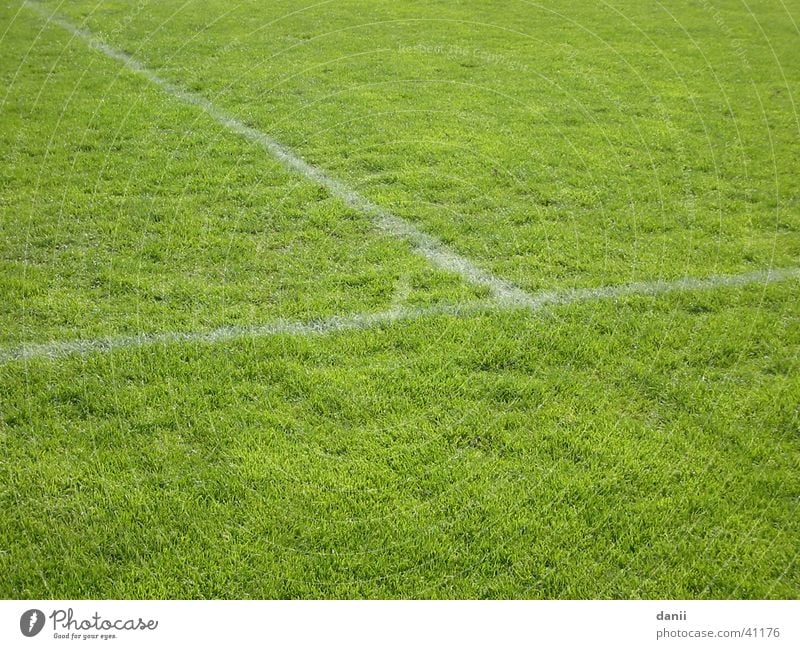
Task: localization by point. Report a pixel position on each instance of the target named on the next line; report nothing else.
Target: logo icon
(31, 622)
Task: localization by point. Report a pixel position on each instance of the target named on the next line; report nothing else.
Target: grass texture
(630, 447)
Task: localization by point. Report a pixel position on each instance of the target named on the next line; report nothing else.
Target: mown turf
(555, 143)
(636, 447)
(125, 211)
(639, 449)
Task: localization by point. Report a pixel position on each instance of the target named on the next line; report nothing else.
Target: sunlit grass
(620, 448)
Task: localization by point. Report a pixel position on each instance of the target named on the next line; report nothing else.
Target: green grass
(490, 457)
(638, 447)
(125, 211)
(598, 145)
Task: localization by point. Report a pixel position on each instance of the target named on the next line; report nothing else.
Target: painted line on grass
(361, 321)
(566, 296)
(422, 243)
(334, 324)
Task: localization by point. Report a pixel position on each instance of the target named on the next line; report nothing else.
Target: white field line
(368, 320)
(567, 296)
(423, 244)
(330, 325)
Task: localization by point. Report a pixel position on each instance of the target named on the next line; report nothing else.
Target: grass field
(223, 375)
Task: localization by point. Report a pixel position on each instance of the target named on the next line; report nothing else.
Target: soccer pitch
(392, 299)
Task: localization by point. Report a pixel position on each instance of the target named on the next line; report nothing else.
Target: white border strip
(358, 321)
(423, 244)
(404, 623)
